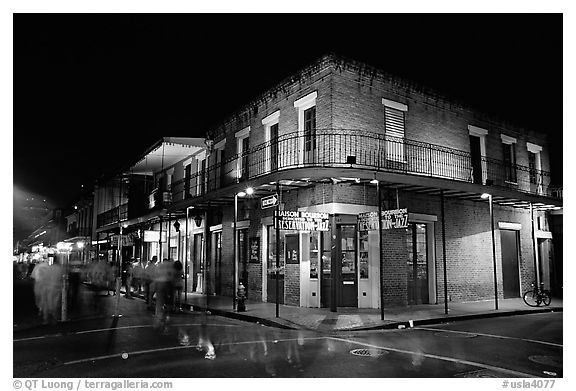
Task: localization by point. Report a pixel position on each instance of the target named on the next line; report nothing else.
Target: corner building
(342, 139)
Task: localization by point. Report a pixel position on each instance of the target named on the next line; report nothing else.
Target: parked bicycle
(537, 296)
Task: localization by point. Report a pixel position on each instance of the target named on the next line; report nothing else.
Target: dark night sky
(93, 91)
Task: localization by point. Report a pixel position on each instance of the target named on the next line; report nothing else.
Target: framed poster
(254, 250)
(292, 249)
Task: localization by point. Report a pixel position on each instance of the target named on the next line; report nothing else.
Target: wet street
(195, 344)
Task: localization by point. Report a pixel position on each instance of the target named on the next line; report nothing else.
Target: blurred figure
(137, 275)
(178, 285)
(39, 275)
(127, 278)
(53, 293)
(149, 276)
(163, 284)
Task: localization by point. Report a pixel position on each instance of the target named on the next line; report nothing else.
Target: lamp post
(489, 197)
(249, 191)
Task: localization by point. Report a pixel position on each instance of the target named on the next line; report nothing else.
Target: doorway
(417, 264)
(217, 259)
(275, 281)
(510, 270)
(345, 277)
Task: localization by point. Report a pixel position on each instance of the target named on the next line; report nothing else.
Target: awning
(166, 152)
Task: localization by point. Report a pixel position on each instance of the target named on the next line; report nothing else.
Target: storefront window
(314, 255)
(272, 250)
(326, 253)
(364, 254)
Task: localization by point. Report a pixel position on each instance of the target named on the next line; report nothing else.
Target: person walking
(178, 285)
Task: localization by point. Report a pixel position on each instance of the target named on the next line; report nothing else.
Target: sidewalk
(322, 319)
(319, 319)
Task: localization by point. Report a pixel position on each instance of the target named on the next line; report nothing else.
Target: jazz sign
(301, 221)
(395, 218)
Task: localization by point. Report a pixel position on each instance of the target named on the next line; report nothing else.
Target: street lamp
(243, 193)
(489, 197)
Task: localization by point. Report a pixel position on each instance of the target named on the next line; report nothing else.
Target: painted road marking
(490, 336)
(117, 328)
(170, 348)
(437, 357)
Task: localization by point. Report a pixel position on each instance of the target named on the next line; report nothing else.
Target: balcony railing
(372, 151)
(114, 215)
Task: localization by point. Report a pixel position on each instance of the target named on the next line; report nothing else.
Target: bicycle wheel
(546, 298)
(532, 299)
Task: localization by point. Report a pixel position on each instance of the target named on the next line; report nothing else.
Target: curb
(457, 318)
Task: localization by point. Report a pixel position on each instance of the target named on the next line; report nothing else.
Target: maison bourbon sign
(301, 221)
(395, 218)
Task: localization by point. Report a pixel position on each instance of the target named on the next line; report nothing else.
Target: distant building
(320, 144)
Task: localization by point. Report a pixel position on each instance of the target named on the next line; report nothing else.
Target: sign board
(270, 201)
(301, 221)
(127, 240)
(368, 221)
(254, 250)
(154, 236)
(395, 218)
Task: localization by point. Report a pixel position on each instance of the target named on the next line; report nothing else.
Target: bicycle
(537, 296)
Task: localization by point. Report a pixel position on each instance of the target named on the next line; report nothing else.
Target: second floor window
(310, 129)
(187, 177)
(532, 167)
(394, 123)
(274, 146)
(242, 156)
(509, 158)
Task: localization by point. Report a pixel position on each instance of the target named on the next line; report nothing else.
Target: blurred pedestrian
(149, 275)
(178, 285)
(53, 293)
(39, 275)
(127, 278)
(163, 284)
(137, 275)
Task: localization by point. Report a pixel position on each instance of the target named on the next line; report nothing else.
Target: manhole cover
(482, 373)
(454, 335)
(368, 352)
(554, 361)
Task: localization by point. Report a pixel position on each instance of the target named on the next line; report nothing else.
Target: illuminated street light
(242, 193)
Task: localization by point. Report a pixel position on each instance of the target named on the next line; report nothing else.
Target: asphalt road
(199, 345)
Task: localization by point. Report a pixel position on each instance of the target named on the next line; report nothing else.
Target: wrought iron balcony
(114, 215)
(342, 148)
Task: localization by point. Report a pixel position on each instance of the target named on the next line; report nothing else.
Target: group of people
(163, 282)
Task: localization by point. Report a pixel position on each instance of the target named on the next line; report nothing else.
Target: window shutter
(394, 122)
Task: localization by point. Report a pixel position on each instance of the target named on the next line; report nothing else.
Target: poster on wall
(292, 249)
(395, 218)
(254, 250)
(301, 221)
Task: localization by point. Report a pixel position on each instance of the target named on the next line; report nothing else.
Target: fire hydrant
(241, 298)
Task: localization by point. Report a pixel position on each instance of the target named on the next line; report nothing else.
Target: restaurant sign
(395, 218)
(301, 221)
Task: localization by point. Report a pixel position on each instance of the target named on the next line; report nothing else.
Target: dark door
(196, 264)
(417, 264)
(476, 156)
(510, 273)
(275, 281)
(348, 290)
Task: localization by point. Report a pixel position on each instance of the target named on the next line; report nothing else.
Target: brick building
(328, 143)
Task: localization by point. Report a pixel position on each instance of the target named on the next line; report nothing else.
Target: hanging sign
(368, 221)
(154, 236)
(301, 221)
(395, 218)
